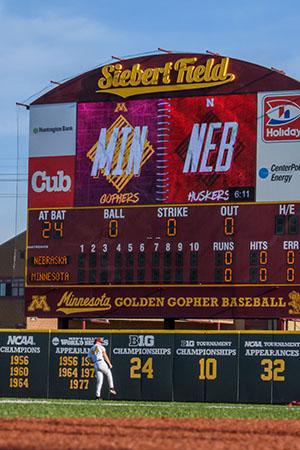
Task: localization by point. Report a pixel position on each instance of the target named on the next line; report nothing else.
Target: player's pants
(101, 368)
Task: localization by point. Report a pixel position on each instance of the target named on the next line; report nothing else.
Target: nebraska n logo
(38, 302)
(120, 152)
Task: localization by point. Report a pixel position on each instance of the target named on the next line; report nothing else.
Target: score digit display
(207, 245)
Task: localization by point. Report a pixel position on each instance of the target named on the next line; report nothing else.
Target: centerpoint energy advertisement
(165, 186)
(278, 146)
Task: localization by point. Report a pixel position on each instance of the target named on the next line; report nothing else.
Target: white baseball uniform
(101, 367)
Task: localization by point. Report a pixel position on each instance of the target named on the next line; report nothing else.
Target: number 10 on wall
(207, 369)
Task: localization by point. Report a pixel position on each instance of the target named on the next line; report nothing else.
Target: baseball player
(97, 354)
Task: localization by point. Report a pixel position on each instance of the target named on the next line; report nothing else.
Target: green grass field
(89, 408)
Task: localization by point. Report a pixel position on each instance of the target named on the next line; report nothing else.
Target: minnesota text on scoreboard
(166, 186)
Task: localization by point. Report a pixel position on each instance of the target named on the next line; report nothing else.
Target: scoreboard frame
(286, 225)
(189, 135)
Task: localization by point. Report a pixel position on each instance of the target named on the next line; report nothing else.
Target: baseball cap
(98, 339)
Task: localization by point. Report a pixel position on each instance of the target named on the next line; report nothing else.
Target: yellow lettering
(181, 66)
(265, 302)
(191, 76)
(147, 76)
(136, 75)
(125, 77)
(225, 302)
(167, 72)
(117, 73)
(256, 302)
(155, 77)
(207, 74)
(198, 73)
(106, 81)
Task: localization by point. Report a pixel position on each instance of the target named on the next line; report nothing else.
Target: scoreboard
(207, 245)
(165, 186)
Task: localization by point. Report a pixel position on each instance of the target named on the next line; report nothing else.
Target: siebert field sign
(185, 72)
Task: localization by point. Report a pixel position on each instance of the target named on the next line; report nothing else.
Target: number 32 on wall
(273, 370)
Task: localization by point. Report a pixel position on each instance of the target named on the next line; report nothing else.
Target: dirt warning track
(146, 434)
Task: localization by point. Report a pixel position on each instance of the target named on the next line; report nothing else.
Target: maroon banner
(179, 302)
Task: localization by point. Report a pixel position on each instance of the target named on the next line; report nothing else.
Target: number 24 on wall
(137, 368)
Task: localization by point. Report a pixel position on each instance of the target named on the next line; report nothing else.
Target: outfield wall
(244, 367)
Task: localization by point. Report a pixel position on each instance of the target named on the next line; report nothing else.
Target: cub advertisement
(52, 181)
